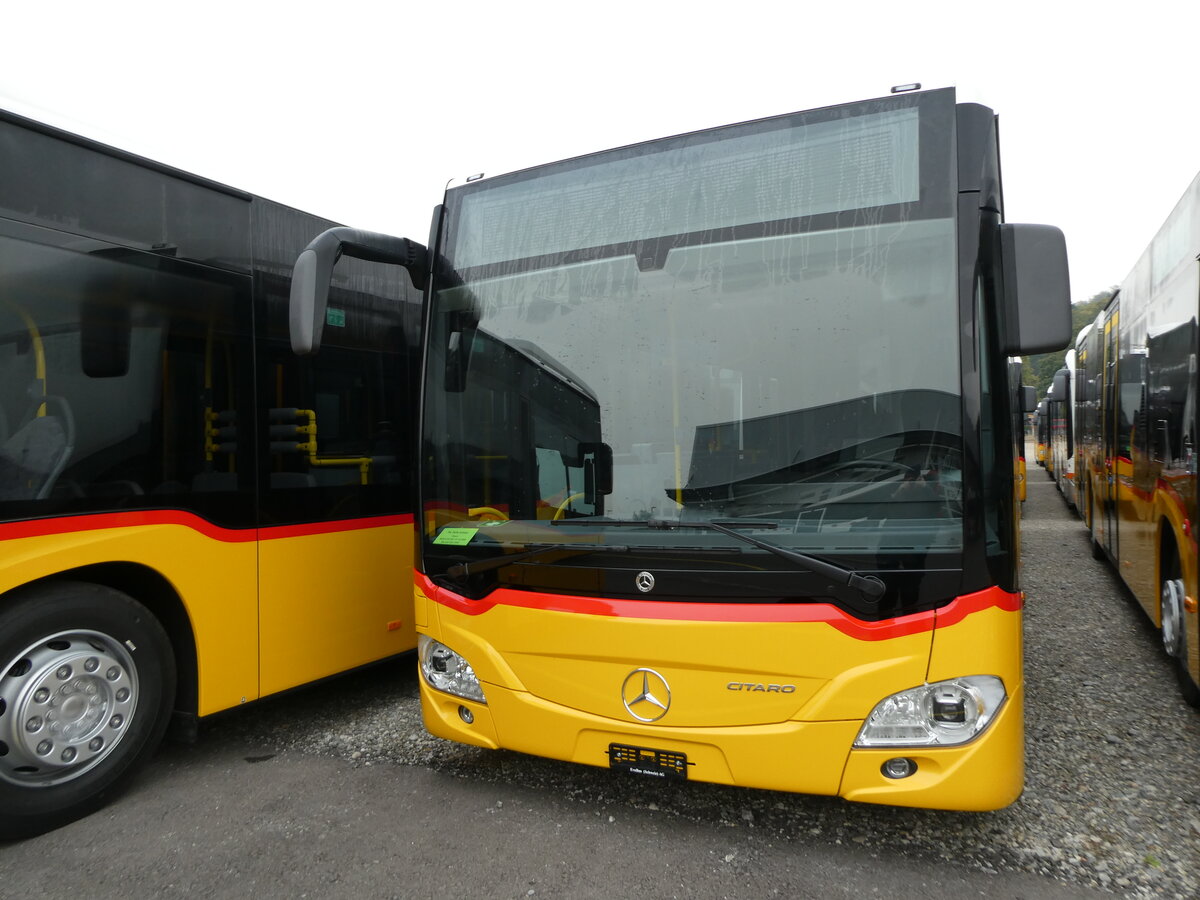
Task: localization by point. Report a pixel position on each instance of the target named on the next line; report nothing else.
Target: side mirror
(1029, 398)
(1037, 289)
(460, 341)
(1058, 387)
(597, 460)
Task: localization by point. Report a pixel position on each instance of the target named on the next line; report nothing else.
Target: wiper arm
(870, 586)
(663, 524)
(460, 571)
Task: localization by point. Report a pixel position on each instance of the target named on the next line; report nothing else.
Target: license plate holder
(648, 762)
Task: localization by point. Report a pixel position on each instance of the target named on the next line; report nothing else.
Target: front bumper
(801, 757)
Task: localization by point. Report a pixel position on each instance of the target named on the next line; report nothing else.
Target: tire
(1187, 687)
(1097, 550)
(1173, 624)
(86, 688)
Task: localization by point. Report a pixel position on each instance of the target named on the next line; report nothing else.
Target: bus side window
(110, 363)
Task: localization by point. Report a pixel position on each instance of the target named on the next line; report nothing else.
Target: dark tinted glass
(72, 185)
(734, 326)
(149, 424)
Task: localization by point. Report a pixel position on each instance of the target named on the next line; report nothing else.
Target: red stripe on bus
(1172, 496)
(959, 608)
(150, 517)
(1167, 488)
(887, 629)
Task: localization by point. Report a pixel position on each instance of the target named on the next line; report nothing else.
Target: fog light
(900, 767)
(466, 715)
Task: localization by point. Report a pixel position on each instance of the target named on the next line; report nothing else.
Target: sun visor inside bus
(460, 341)
(104, 332)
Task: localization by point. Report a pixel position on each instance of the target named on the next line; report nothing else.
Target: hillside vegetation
(1039, 370)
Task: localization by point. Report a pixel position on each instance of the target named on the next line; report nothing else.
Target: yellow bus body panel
(334, 601)
(265, 615)
(987, 773)
(773, 705)
(219, 578)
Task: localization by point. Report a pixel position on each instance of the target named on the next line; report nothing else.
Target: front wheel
(1097, 550)
(1174, 636)
(86, 687)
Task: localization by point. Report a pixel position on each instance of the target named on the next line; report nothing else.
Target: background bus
(1026, 405)
(1136, 449)
(1060, 404)
(1041, 432)
(190, 517)
(793, 564)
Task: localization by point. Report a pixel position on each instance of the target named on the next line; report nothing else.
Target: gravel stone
(1112, 798)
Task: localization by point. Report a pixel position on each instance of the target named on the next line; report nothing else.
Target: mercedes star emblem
(646, 695)
(644, 582)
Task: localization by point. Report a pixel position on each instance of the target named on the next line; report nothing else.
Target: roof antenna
(905, 88)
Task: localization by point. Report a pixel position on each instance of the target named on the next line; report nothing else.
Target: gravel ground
(1112, 796)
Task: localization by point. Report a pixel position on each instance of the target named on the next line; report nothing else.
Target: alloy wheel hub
(65, 703)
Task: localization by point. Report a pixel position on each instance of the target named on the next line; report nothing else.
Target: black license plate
(647, 761)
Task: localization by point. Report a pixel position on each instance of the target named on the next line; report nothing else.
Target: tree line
(1039, 370)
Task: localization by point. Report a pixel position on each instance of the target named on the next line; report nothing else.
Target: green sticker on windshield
(455, 537)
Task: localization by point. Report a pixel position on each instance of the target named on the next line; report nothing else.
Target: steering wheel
(562, 507)
(487, 513)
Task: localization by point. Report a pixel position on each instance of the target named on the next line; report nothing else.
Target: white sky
(362, 111)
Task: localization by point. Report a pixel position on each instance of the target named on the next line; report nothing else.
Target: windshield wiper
(870, 586)
(663, 524)
(461, 571)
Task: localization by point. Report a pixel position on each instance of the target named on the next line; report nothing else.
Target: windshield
(757, 323)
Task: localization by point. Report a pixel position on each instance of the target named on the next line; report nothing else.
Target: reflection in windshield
(712, 386)
(910, 472)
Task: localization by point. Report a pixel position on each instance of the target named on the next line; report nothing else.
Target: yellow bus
(1135, 410)
(718, 451)
(1041, 430)
(191, 517)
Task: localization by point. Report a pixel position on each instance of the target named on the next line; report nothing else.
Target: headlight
(446, 671)
(938, 714)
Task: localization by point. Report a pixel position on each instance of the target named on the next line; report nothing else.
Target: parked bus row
(680, 415)
(1120, 420)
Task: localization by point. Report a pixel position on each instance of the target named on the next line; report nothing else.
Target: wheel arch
(1169, 562)
(1172, 562)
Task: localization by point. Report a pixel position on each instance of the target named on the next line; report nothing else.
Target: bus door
(335, 500)
(1109, 415)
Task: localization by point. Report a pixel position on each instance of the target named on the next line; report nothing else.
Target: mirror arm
(313, 271)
